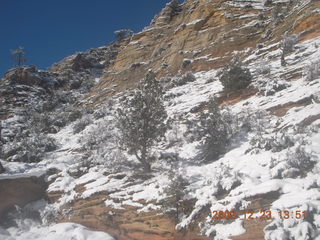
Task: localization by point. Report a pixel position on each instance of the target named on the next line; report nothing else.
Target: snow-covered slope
(248, 170)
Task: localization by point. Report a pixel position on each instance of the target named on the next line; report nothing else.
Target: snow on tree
(235, 76)
(142, 119)
(123, 34)
(175, 204)
(216, 130)
(287, 46)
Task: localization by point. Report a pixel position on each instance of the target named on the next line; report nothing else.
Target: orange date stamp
(260, 215)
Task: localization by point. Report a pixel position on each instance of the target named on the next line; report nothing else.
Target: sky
(50, 30)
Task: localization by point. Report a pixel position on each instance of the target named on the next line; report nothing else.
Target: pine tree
(142, 119)
(216, 131)
(175, 204)
(18, 56)
(235, 76)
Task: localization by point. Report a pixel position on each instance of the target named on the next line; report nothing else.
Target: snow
(67, 231)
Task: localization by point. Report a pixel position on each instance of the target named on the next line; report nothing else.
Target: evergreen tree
(216, 130)
(235, 76)
(176, 191)
(142, 119)
(18, 56)
(123, 34)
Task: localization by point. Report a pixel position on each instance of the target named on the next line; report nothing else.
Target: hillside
(66, 175)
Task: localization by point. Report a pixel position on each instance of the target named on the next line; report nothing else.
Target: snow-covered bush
(312, 71)
(274, 143)
(80, 125)
(271, 86)
(277, 14)
(174, 204)
(181, 80)
(30, 149)
(74, 114)
(178, 80)
(123, 34)
(267, 2)
(287, 45)
(300, 159)
(216, 128)
(263, 68)
(235, 76)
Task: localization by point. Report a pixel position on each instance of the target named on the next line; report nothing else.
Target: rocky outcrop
(202, 35)
(98, 58)
(20, 191)
(126, 223)
(31, 76)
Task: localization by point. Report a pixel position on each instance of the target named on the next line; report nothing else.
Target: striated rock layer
(202, 35)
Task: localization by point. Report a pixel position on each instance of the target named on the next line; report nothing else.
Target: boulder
(20, 191)
(24, 75)
(81, 62)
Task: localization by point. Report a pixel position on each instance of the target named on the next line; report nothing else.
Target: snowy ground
(67, 231)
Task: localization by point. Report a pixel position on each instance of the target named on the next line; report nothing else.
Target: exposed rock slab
(20, 191)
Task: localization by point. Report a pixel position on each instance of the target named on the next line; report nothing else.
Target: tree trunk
(143, 160)
(1, 168)
(283, 61)
(145, 163)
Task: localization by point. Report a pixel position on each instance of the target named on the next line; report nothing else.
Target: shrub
(264, 68)
(271, 86)
(277, 14)
(32, 149)
(287, 46)
(216, 131)
(74, 114)
(81, 125)
(174, 204)
(300, 159)
(123, 34)
(274, 143)
(186, 62)
(267, 2)
(235, 76)
(181, 80)
(313, 71)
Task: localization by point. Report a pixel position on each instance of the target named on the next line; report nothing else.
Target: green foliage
(18, 56)
(123, 34)
(217, 130)
(235, 76)
(174, 204)
(141, 119)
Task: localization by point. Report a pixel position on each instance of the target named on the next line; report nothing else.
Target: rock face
(20, 191)
(202, 35)
(126, 223)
